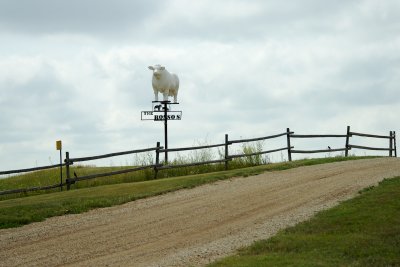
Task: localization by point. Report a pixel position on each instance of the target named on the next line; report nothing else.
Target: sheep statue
(164, 82)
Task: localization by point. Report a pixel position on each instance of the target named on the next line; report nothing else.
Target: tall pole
(166, 131)
(59, 148)
(61, 170)
(166, 104)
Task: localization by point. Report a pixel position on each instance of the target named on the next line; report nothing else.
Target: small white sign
(159, 115)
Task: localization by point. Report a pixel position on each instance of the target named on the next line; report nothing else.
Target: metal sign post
(161, 111)
(59, 147)
(166, 131)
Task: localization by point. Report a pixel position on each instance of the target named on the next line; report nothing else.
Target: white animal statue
(165, 83)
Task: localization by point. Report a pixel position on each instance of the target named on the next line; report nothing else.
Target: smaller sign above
(58, 145)
(159, 115)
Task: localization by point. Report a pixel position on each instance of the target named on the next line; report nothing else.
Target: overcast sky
(77, 71)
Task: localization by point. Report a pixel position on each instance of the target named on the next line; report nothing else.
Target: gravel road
(191, 227)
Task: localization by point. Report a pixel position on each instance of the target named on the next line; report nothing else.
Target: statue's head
(157, 70)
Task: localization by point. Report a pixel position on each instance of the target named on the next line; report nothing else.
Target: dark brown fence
(392, 151)
(166, 166)
(70, 161)
(227, 143)
(25, 190)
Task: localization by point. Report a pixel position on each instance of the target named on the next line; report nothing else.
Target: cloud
(144, 21)
(244, 20)
(86, 17)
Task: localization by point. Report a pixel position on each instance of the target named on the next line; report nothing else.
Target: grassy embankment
(52, 176)
(23, 210)
(364, 231)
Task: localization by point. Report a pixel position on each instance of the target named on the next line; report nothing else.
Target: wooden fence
(392, 151)
(70, 161)
(25, 190)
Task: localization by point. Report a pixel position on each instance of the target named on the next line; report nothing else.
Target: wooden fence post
(394, 143)
(346, 153)
(226, 152)
(157, 160)
(67, 163)
(390, 143)
(289, 149)
(61, 176)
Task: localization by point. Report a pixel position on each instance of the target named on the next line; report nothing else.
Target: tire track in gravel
(191, 227)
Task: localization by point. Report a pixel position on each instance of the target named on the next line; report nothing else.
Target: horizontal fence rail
(93, 176)
(31, 189)
(256, 139)
(158, 166)
(163, 167)
(372, 148)
(319, 151)
(71, 160)
(31, 169)
(257, 153)
(316, 135)
(370, 135)
(189, 148)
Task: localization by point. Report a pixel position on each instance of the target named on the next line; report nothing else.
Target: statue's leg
(176, 98)
(155, 95)
(166, 96)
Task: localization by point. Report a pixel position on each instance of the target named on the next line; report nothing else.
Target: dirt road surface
(191, 227)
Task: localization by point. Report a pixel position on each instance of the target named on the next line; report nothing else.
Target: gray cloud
(35, 106)
(157, 20)
(88, 17)
(244, 20)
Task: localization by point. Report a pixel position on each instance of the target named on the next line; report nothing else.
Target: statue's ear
(162, 68)
(151, 67)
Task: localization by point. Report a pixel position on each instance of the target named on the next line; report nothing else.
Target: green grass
(364, 231)
(24, 210)
(52, 176)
